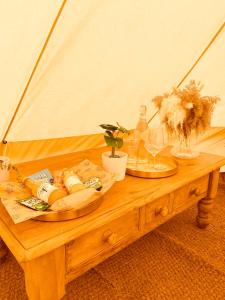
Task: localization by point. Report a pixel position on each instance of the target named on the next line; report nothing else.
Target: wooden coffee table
(54, 253)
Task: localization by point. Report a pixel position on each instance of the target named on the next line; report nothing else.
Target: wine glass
(155, 141)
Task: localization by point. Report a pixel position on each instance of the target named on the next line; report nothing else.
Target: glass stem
(154, 161)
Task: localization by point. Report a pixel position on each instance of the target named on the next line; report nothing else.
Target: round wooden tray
(73, 213)
(146, 171)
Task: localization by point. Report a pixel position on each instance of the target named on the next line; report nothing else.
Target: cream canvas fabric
(103, 60)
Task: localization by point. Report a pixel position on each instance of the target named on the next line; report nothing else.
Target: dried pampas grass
(185, 111)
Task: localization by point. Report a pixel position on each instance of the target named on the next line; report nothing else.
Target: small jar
(4, 168)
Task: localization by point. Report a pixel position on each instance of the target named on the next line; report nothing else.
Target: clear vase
(184, 148)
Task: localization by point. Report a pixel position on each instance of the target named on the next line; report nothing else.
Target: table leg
(3, 251)
(205, 205)
(45, 276)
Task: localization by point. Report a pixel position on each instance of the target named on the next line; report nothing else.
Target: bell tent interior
(68, 66)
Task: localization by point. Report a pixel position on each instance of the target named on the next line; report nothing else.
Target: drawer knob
(110, 238)
(162, 211)
(195, 192)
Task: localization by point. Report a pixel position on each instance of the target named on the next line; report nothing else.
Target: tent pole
(196, 62)
(202, 54)
(4, 141)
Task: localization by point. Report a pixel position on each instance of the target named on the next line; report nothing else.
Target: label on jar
(71, 181)
(44, 191)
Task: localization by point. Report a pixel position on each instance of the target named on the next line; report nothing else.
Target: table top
(31, 238)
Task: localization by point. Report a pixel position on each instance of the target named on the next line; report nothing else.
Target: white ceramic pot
(115, 165)
(4, 169)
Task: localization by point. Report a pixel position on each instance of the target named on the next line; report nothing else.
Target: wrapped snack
(43, 176)
(34, 203)
(76, 200)
(93, 182)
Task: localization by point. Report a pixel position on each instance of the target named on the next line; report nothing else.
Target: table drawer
(162, 209)
(101, 240)
(190, 193)
(157, 212)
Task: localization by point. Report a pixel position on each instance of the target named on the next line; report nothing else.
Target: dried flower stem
(185, 111)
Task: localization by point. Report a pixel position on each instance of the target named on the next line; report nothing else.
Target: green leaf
(119, 142)
(109, 133)
(109, 127)
(122, 129)
(113, 142)
(109, 141)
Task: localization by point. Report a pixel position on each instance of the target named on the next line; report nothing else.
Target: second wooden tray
(147, 170)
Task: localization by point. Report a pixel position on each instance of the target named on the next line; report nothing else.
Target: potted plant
(114, 161)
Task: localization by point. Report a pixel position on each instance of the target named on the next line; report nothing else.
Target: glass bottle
(139, 134)
(72, 182)
(44, 191)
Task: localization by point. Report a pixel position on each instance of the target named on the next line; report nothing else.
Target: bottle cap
(143, 110)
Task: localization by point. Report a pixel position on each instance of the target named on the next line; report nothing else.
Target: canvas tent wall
(103, 60)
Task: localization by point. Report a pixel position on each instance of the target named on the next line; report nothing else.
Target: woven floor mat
(209, 244)
(155, 267)
(91, 286)
(12, 285)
